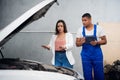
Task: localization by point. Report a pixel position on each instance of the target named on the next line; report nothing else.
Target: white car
(18, 69)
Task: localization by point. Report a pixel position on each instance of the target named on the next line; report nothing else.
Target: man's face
(86, 21)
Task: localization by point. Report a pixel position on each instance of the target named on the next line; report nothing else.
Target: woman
(61, 44)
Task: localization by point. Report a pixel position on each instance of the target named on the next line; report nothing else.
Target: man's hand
(93, 43)
(80, 41)
(103, 41)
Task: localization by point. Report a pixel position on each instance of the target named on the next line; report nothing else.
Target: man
(90, 37)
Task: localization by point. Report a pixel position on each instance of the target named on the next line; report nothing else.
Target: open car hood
(28, 17)
(12, 68)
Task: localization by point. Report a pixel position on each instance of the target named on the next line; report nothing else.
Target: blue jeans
(61, 59)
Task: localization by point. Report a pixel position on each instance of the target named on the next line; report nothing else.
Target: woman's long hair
(64, 26)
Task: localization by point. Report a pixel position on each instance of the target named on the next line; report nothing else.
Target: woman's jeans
(61, 59)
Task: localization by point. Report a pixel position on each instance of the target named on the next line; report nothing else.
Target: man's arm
(103, 41)
(80, 41)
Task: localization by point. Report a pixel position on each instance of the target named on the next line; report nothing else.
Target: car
(18, 69)
(23, 69)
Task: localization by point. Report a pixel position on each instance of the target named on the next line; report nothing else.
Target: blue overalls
(92, 59)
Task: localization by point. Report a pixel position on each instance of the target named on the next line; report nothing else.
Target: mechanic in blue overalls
(90, 37)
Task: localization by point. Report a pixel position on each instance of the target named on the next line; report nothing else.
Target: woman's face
(60, 27)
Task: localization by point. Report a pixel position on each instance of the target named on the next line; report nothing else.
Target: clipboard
(88, 39)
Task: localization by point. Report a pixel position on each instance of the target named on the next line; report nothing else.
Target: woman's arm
(49, 45)
(46, 47)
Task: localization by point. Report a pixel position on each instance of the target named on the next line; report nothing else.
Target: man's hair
(86, 15)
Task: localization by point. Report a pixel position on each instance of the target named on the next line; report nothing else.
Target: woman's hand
(46, 47)
(62, 47)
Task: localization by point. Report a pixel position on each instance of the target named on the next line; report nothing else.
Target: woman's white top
(68, 45)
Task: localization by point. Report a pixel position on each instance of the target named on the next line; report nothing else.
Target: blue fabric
(92, 58)
(61, 59)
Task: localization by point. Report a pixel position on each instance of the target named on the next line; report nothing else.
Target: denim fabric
(61, 59)
(92, 60)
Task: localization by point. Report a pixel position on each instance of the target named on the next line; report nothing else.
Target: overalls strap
(83, 32)
(95, 30)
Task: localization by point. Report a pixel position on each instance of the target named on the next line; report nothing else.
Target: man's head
(86, 19)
